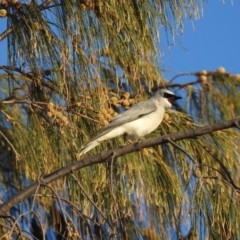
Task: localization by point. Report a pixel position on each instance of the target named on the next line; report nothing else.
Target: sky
(210, 42)
(214, 41)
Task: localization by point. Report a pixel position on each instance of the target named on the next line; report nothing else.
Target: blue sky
(214, 41)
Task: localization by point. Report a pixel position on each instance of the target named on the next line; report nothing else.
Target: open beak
(174, 98)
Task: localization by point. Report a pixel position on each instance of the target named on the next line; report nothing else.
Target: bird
(139, 120)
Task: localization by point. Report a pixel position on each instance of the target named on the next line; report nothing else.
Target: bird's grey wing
(135, 112)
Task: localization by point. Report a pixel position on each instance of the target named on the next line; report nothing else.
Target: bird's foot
(128, 141)
(137, 143)
(123, 145)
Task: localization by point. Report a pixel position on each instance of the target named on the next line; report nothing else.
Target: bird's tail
(106, 134)
(88, 146)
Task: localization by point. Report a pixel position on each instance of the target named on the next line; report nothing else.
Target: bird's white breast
(144, 125)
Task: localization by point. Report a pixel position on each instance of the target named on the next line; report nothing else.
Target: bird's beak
(174, 98)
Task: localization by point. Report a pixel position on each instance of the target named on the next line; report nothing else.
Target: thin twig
(111, 179)
(175, 85)
(71, 220)
(221, 164)
(17, 155)
(58, 199)
(41, 7)
(111, 190)
(15, 224)
(42, 228)
(45, 4)
(28, 75)
(183, 74)
(74, 207)
(222, 180)
(35, 194)
(24, 236)
(181, 149)
(88, 197)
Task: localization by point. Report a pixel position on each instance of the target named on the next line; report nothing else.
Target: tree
(72, 66)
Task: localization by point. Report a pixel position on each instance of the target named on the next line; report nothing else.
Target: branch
(28, 75)
(5, 33)
(8, 31)
(45, 4)
(92, 202)
(104, 156)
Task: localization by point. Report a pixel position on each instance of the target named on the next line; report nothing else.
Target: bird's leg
(137, 142)
(125, 136)
(236, 124)
(125, 140)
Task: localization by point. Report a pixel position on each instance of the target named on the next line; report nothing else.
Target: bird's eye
(167, 95)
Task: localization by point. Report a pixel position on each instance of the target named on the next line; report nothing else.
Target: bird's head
(166, 98)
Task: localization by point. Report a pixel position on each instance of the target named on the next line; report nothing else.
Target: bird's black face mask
(171, 97)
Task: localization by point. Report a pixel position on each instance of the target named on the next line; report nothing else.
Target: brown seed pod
(14, 2)
(75, 118)
(221, 70)
(110, 111)
(105, 122)
(197, 173)
(100, 116)
(53, 111)
(237, 77)
(78, 104)
(144, 152)
(125, 103)
(108, 117)
(203, 72)
(3, 13)
(106, 51)
(126, 95)
(49, 114)
(104, 111)
(203, 78)
(50, 105)
(82, 6)
(114, 99)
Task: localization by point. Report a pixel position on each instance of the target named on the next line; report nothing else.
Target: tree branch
(8, 31)
(28, 75)
(5, 33)
(104, 156)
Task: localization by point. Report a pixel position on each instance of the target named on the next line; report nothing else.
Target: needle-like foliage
(71, 67)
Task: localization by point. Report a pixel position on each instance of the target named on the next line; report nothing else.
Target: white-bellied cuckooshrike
(139, 120)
